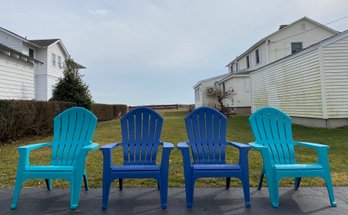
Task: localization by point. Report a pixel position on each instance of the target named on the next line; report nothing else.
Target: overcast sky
(154, 51)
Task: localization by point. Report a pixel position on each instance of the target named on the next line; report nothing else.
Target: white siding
(16, 78)
(55, 70)
(11, 41)
(241, 88)
(293, 85)
(335, 62)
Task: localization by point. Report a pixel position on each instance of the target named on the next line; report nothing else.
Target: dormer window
(257, 56)
(248, 61)
(31, 53)
(296, 47)
(53, 59)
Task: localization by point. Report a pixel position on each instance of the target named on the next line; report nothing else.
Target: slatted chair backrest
(141, 132)
(73, 129)
(206, 130)
(271, 127)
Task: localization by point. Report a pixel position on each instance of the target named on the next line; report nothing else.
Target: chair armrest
(24, 152)
(107, 156)
(266, 155)
(109, 146)
(167, 148)
(33, 146)
(182, 146)
(91, 147)
(167, 145)
(313, 145)
(258, 146)
(240, 146)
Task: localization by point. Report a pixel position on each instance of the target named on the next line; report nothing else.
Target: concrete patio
(307, 200)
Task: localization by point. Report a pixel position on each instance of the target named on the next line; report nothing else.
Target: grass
(174, 132)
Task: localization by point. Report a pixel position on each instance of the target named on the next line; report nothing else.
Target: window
(31, 53)
(60, 62)
(53, 59)
(248, 61)
(257, 56)
(197, 95)
(296, 47)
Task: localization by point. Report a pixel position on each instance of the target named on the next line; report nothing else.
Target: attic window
(248, 61)
(257, 56)
(296, 47)
(59, 61)
(31, 53)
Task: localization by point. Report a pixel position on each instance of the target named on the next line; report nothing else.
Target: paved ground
(306, 200)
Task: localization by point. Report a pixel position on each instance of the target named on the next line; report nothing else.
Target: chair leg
(262, 173)
(163, 191)
(273, 190)
(297, 183)
(48, 184)
(190, 189)
(246, 191)
(228, 182)
(158, 186)
(330, 190)
(106, 191)
(75, 189)
(16, 192)
(120, 184)
(85, 181)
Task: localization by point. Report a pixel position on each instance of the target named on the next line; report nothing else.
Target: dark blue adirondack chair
(73, 131)
(141, 132)
(206, 130)
(272, 131)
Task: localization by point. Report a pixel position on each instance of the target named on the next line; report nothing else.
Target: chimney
(282, 26)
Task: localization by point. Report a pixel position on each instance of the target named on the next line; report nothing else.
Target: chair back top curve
(141, 132)
(272, 127)
(73, 129)
(206, 130)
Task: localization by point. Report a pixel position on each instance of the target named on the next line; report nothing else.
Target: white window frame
(53, 59)
(59, 58)
(257, 51)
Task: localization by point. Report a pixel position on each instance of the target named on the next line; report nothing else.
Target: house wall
(278, 45)
(292, 85)
(306, 32)
(47, 75)
(11, 41)
(16, 78)
(335, 69)
(242, 92)
(205, 99)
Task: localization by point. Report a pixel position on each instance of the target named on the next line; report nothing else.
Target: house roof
(45, 42)
(324, 42)
(18, 37)
(12, 52)
(237, 74)
(209, 79)
(281, 29)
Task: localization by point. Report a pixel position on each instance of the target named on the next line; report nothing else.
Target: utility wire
(309, 30)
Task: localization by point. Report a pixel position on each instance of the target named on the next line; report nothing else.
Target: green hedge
(19, 118)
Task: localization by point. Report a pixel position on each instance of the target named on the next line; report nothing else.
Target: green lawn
(174, 132)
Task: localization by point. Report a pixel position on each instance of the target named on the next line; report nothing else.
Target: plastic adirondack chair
(272, 131)
(73, 131)
(141, 131)
(206, 129)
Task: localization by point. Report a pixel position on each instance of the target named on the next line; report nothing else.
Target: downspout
(322, 85)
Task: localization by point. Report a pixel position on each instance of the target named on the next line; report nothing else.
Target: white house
(310, 85)
(287, 40)
(29, 69)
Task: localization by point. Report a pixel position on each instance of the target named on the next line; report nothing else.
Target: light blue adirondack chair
(141, 132)
(272, 131)
(206, 130)
(73, 131)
